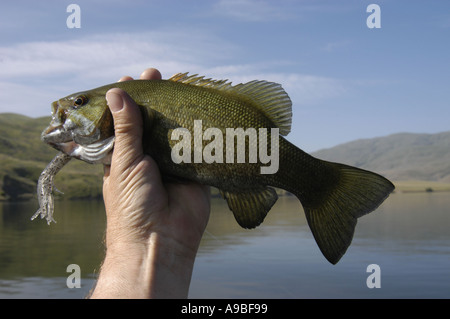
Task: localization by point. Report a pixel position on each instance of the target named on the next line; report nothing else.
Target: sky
(346, 81)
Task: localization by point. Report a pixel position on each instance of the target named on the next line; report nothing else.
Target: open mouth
(68, 142)
(56, 134)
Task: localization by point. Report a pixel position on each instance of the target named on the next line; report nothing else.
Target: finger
(127, 126)
(106, 168)
(151, 74)
(125, 78)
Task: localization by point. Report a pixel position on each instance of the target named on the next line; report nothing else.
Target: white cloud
(109, 54)
(36, 73)
(33, 74)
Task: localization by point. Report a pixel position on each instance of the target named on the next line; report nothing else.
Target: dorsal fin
(268, 97)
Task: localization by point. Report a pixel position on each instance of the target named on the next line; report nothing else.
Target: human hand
(153, 229)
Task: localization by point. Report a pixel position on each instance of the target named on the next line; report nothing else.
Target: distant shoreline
(421, 186)
(400, 187)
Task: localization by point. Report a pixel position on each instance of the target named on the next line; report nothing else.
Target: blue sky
(346, 81)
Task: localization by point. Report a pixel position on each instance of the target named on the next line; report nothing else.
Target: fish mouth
(56, 134)
(78, 146)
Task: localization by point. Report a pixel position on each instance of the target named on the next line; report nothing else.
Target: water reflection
(407, 236)
(286, 216)
(32, 248)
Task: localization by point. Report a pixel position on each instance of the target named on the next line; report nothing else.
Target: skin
(153, 229)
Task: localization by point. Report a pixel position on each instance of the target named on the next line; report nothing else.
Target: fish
(333, 195)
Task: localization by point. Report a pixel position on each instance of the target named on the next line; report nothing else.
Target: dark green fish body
(333, 195)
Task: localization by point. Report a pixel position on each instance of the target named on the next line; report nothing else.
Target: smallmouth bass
(333, 195)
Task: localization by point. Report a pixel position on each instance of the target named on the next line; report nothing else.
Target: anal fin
(250, 208)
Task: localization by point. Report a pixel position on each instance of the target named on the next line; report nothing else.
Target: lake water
(408, 237)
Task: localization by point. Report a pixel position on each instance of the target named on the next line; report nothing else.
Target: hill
(399, 157)
(23, 156)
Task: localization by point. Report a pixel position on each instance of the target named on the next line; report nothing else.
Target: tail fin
(332, 218)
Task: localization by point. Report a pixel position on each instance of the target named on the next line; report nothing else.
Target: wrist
(159, 268)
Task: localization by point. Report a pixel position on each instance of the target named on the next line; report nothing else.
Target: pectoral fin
(250, 208)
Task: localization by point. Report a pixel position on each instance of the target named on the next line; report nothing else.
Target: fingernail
(115, 101)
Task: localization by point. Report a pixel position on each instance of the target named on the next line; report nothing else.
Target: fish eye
(79, 101)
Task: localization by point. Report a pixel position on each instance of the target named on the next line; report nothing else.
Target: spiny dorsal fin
(250, 208)
(200, 81)
(268, 97)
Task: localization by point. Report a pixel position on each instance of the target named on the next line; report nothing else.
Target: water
(407, 237)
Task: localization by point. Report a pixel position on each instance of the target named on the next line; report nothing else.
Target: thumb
(127, 126)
